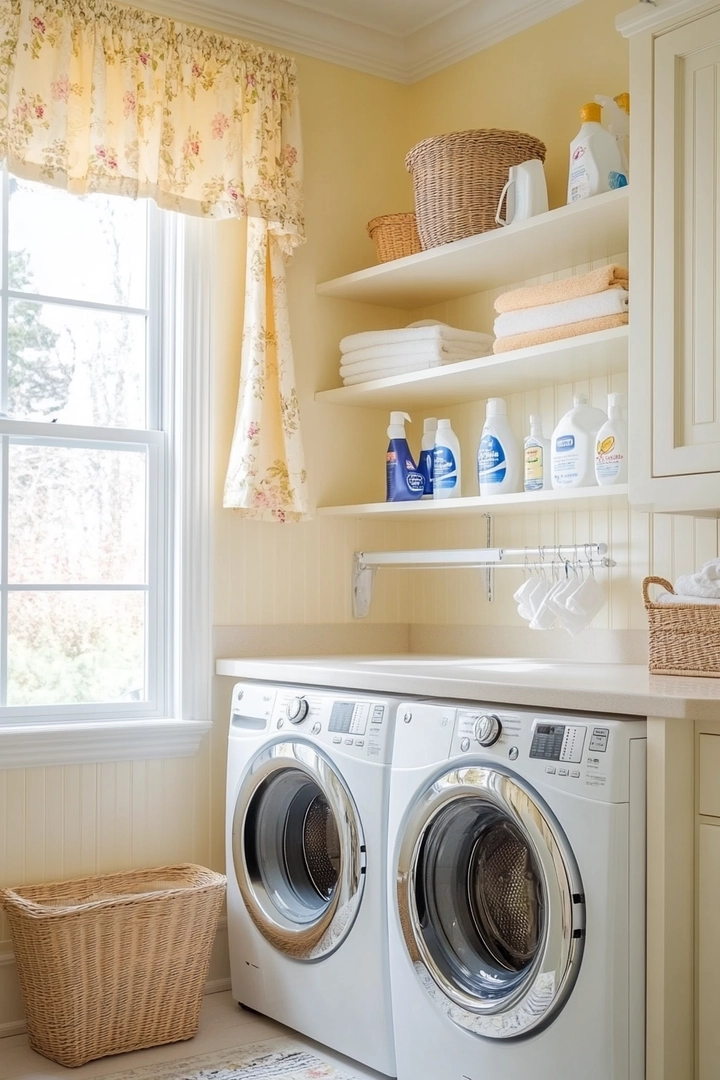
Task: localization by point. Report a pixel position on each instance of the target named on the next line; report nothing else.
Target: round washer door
(491, 902)
(298, 850)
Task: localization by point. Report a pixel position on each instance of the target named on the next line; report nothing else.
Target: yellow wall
(535, 81)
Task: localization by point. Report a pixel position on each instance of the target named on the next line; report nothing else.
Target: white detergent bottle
(611, 463)
(536, 455)
(617, 113)
(572, 449)
(427, 453)
(446, 463)
(595, 162)
(499, 470)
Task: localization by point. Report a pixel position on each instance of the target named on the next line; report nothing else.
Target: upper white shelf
(587, 357)
(569, 236)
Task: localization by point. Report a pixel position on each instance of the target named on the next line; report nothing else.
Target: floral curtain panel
(97, 96)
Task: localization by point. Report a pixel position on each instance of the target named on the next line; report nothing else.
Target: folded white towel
(672, 598)
(705, 582)
(405, 349)
(609, 302)
(407, 359)
(385, 373)
(435, 332)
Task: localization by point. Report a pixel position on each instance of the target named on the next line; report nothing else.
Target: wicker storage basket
(684, 638)
(113, 963)
(394, 236)
(458, 180)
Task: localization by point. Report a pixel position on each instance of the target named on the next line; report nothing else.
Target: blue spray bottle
(404, 482)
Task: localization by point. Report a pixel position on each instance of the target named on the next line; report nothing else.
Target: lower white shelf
(524, 502)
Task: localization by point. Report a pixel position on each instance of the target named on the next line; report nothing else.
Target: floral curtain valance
(98, 96)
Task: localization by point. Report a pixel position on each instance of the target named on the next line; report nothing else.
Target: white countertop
(624, 689)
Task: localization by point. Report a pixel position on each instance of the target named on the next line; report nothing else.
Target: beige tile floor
(222, 1024)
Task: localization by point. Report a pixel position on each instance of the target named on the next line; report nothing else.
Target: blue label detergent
(403, 481)
(492, 466)
(445, 475)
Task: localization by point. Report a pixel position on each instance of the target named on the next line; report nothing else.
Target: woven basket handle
(648, 581)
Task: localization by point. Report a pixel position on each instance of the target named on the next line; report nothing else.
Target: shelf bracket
(363, 581)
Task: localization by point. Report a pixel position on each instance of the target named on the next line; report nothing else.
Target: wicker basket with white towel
(684, 623)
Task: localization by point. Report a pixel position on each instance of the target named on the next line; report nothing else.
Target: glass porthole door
(298, 850)
(491, 904)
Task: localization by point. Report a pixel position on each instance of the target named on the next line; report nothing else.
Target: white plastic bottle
(427, 451)
(595, 162)
(611, 463)
(536, 458)
(617, 114)
(573, 445)
(447, 475)
(498, 460)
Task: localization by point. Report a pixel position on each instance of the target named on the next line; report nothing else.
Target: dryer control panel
(358, 724)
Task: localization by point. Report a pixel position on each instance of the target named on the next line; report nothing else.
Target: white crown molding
(285, 25)
(650, 15)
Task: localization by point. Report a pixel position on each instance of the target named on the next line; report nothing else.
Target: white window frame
(176, 715)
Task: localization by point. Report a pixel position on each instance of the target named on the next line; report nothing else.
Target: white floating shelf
(569, 236)
(534, 502)
(602, 353)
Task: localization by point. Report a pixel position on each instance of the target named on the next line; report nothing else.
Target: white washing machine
(307, 800)
(517, 894)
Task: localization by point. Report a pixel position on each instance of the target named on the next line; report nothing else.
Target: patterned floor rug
(276, 1059)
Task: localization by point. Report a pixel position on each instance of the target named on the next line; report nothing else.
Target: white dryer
(308, 784)
(517, 894)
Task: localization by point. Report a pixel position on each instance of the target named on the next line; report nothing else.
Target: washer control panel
(558, 742)
(354, 724)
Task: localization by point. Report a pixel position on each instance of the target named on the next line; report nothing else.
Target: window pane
(68, 648)
(90, 247)
(76, 365)
(76, 515)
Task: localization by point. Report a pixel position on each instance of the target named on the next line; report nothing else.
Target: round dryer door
(491, 903)
(298, 850)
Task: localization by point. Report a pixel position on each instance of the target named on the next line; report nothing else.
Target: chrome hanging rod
(366, 563)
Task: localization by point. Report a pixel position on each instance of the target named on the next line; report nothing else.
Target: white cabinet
(675, 257)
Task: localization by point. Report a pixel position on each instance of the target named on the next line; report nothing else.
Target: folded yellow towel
(553, 292)
(557, 333)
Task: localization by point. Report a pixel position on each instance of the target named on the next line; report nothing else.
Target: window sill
(27, 745)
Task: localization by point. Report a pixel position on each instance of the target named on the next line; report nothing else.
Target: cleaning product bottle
(446, 463)
(498, 457)
(536, 453)
(427, 450)
(595, 164)
(573, 445)
(617, 112)
(404, 482)
(611, 463)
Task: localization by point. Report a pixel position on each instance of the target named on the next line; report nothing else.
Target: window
(89, 470)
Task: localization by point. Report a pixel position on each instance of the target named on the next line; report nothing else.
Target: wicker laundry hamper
(684, 638)
(459, 177)
(114, 962)
(394, 236)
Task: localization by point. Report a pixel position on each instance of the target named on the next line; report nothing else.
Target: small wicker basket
(394, 236)
(459, 177)
(115, 962)
(684, 638)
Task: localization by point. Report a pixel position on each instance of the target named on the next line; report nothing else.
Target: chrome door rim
(551, 976)
(318, 938)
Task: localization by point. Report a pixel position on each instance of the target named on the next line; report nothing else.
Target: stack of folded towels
(561, 309)
(426, 344)
(700, 588)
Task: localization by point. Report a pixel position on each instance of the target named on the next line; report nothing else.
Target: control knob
(488, 729)
(297, 709)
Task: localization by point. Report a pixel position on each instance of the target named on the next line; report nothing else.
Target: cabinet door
(686, 257)
(709, 952)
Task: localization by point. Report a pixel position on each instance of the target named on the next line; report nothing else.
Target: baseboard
(11, 1011)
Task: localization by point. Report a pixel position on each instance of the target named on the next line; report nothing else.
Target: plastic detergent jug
(446, 463)
(595, 162)
(404, 482)
(611, 463)
(573, 444)
(427, 451)
(617, 113)
(498, 458)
